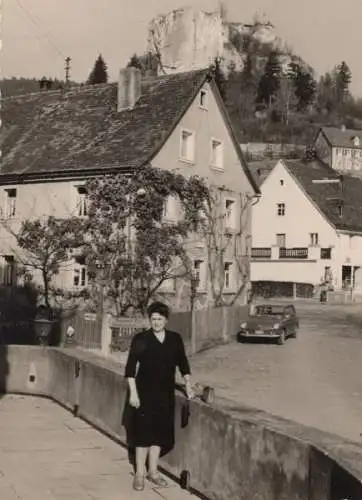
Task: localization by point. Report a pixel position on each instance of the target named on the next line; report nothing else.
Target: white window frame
(80, 271)
(170, 209)
(10, 202)
(199, 270)
(215, 163)
(82, 201)
(314, 239)
(281, 209)
(230, 215)
(190, 158)
(228, 276)
(203, 96)
(280, 236)
(8, 276)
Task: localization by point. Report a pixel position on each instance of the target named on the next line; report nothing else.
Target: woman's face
(158, 322)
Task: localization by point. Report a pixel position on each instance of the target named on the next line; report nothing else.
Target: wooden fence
(122, 331)
(87, 326)
(207, 327)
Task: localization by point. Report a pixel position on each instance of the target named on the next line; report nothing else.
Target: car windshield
(268, 311)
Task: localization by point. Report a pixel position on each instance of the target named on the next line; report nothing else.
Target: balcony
(293, 253)
(274, 253)
(261, 253)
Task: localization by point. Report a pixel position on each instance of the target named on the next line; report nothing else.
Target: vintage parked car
(268, 321)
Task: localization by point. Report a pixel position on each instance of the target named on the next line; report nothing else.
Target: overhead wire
(32, 18)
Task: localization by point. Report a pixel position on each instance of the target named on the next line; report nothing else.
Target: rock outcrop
(187, 39)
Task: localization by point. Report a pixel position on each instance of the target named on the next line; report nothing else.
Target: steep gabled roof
(260, 170)
(81, 129)
(81, 132)
(328, 196)
(341, 138)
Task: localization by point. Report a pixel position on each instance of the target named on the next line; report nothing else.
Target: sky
(35, 41)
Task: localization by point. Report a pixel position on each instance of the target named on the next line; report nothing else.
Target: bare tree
(285, 99)
(226, 245)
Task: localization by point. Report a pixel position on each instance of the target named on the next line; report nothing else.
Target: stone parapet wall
(232, 452)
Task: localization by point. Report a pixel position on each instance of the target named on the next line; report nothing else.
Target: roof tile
(328, 196)
(342, 138)
(81, 129)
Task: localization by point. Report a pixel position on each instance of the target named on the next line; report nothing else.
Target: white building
(340, 148)
(307, 227)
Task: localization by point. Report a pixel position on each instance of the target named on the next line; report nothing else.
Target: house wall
(347, 159)
(301, 218)
(323, 149)
(209, 124)
(60, 197)
(348, 253)
(37, 200)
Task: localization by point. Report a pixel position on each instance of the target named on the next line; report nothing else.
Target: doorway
(346, 277)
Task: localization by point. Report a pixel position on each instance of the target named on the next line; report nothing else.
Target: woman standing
(153, 357)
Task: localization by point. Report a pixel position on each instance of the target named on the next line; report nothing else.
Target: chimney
(129, 88)
(43, 84)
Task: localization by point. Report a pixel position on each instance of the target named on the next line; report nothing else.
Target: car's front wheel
(293, 335)
(240, 339)
(281, 338)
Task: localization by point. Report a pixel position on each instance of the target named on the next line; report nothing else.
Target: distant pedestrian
(150, 370)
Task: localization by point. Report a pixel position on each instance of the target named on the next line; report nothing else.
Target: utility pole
(67, 69)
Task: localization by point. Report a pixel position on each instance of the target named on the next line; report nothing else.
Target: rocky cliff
(187, 39)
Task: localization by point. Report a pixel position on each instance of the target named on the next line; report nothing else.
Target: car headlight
(243, 324)
(276, 326)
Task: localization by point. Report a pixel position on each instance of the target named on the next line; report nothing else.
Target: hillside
(18, 86)
(271, 93)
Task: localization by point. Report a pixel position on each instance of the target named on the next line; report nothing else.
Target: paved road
(315, 379)
(47, 454)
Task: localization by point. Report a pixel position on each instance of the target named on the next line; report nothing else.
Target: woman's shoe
(158, 480)
(138, 483)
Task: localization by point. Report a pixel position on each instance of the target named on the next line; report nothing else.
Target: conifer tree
(343, 77)
(135, 62)
(270, 81)
(99, 73)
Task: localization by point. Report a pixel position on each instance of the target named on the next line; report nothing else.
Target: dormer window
(356, 141)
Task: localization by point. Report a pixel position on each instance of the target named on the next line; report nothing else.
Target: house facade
(53, 141)
(340, 148)
(307, 228)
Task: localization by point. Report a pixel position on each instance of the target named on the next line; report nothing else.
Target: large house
(306, 228)
(340, 148)
(52, 141)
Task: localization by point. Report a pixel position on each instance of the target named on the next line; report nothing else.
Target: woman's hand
(190, 393)
(134, 400)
